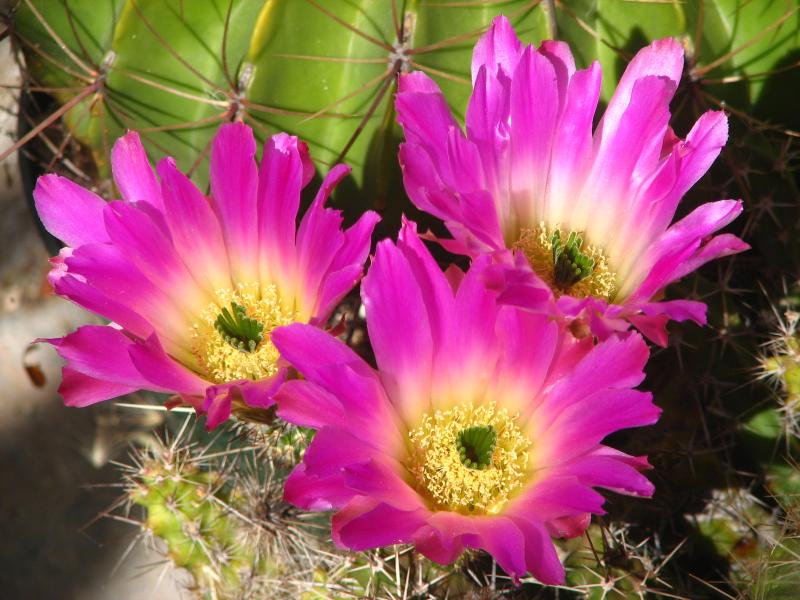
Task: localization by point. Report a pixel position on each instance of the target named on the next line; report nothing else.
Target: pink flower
(194, 285)
(588, 213)
(480, 429)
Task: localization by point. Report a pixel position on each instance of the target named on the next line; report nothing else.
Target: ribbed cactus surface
(325, 69)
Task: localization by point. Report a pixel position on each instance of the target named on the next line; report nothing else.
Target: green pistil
(570, 265)
(239, 330)
(476, 445)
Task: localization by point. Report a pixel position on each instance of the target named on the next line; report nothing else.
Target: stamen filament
(469, 459)
(231, 338)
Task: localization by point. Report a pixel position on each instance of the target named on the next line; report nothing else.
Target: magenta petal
(316, 493)
(423, 183)
(487, 124)
(426, 119)
(347, 266)
(380, 480)
(89, 297)
(702, 221)
(334, 449)
(583, 425)
(234, 181)
(523, 367)
(655, 316)
(470, 349)
(679, 310)
(308, 405)
(58, 266)
(721, 245)
(498, 48)
(616, 363)
(319, 240)
(439, 546)
(662, 58)
(219, 399)
(568, 527)
(437, 293)
(541, 557)
(498, 535)
(572, 146)
(612, 470)
(69, 212)
(399, 330)
(330, 364)
(640, 131)
(680, 248)
(132, 171)
(116, 289)
(653, 327)
(690, 160)
(334, 287)
(80, 390)
(556, 497)
(100, 351)
(331, 180)
(196, 232)
(701, 148)
(217, 406)
(280, 181)
(559, 54)
(518, 284)
(479, 217)
(502, 538)
(143, 242)
(535, 107)
(356, 245)
(418, 82)
(365, 523)
(163, 371)
(466, 164)
(524, 296)
(261, 393)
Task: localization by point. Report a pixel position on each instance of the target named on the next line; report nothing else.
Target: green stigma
(476, 445)
(239, 330)
(570, 265)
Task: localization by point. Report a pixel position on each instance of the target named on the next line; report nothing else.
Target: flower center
(469, 459)
(239, 330)
(475, 446)
(567, 265)
(231, 337)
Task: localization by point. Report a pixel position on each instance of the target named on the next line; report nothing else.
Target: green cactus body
(785, 367)
(188, 511)
(325, 70)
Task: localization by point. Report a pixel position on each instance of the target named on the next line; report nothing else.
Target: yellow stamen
(440, 470)
(537, 245)
(223, 362)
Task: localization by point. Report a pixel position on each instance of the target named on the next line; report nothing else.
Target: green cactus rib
(176, 72)
(324, 70)
(182, 511)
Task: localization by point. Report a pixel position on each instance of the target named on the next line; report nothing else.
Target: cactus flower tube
(194, 285)
(481, 427)
(586, 214)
